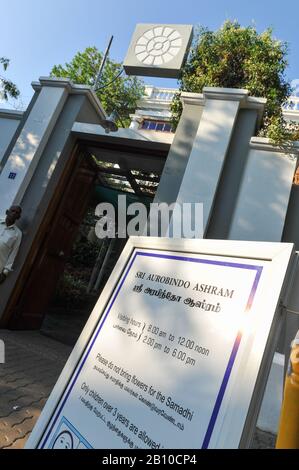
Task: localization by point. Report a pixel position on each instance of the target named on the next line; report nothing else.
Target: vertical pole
(102, 65)
(104, 265)
(97, 266)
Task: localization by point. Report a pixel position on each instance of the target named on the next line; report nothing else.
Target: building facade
(152, 117)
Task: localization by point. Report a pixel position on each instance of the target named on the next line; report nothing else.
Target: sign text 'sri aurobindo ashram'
(174, 358)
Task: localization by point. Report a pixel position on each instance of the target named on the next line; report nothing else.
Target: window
(160, 126)
(167, 127)
(152, 125)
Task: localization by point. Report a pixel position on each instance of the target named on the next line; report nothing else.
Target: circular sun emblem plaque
(158, 46)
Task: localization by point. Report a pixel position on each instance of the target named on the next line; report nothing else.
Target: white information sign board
(172, 351)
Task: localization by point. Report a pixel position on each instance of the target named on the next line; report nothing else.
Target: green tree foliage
(116, 94)
(239, 57)
(7, 87)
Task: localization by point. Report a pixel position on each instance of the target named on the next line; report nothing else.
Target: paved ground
(33, 364)
(263, 440)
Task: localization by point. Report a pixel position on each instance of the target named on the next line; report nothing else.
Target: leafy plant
(84, 253)
(7, 87)
(240, 57)
(115, 92)
(71, 292)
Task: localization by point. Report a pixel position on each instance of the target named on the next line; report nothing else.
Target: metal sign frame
(240, 420)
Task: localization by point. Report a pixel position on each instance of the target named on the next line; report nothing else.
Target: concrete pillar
(202, 142)
(232, 173)
(171, 178)
(21, 164)
(203, 170)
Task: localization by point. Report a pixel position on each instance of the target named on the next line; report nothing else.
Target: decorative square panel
(158, 50)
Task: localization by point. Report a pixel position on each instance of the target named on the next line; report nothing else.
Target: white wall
(30, 144)
(9, 122)
(264, 194)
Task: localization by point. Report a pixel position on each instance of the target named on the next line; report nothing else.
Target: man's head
(13, 214)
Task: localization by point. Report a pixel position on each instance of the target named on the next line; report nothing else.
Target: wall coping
(125, 136)
(153, 103)
(195, 99)
(229, 94)
(11, 114)
(218, 93)
(291, 114)
(72, 89)
(263, 143)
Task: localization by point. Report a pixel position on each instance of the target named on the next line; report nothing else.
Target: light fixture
(109, 124)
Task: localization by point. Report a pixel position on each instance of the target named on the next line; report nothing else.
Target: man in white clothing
(10, 240)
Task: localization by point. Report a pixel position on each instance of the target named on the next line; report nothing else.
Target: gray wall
(22, 119)
(291, 227)
(180, 150)
(231, 176)
(87, 114)
(9, 123)
(264, 194)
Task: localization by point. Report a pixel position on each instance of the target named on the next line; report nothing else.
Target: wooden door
(54, 251)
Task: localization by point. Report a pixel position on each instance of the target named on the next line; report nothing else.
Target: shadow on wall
(16, 169)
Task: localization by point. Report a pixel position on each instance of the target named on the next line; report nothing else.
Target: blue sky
(36, 34)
